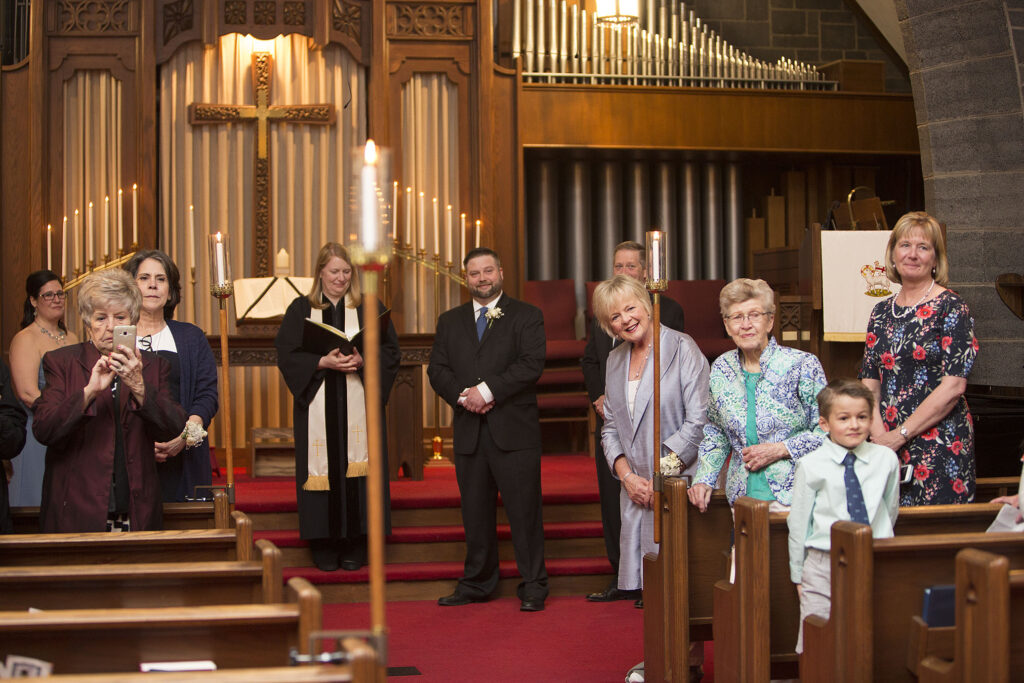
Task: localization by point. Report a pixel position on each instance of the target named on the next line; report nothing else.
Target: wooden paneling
(736, 120)
(16, 241)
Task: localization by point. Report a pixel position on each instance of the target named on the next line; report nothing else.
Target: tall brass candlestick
(657, 283)
(222, 287)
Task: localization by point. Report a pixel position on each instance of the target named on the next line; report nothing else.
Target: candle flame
(106, 199)
(435, 200)
(370, 153)
(76, 212)
(90, 205)
(134, 187)
(120, 192)
(218, 237)
(49, 228)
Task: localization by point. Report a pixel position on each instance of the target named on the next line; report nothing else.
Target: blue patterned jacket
(787, 411)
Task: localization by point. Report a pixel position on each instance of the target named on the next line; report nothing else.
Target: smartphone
(906, 473)
(124, 335)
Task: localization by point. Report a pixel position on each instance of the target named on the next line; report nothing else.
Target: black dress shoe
(639, 604)
(531, 606)
(325, 556)
(612, 594)
(352, 565)
(457, 599)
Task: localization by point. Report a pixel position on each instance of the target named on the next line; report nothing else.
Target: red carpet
(572, 640)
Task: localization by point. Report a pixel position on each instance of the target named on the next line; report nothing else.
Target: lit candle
(89, 235)
(120, 220)
(449, 233)
(462, 236)
(437, 231)
(191, 236)
(78, 239)
(408, 216)
(64, 248)
(394, 210)
(106, 227)
(478, 221)
(135, 215)
(369, 225)
(220, 259)
(423, 222)
(656, 258)
(49, 255)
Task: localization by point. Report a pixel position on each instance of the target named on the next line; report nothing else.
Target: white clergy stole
(316, 444)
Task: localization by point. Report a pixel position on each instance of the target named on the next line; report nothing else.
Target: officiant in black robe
(328, 399)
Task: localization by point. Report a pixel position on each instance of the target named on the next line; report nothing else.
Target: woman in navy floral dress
(919, 351)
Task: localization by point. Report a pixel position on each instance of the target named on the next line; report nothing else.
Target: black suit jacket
(509, 358)
(599, 345)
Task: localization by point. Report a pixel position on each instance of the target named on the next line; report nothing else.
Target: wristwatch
(903, 433)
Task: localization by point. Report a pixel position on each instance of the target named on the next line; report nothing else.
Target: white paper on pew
(1006, 520)
(18, 666)
(196, 665)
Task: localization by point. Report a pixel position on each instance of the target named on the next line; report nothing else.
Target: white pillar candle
(422, 221)
(89, 235)
(449, 234)
(191, 236)
(281, 264)
(120, 220)
(64, 248)
(437, 230)
(408, 216)
(220, 260)
(135, 214)
(394, 210)
(49, 251)
(369, 225)
(106, 228)
(78, 239)
(462, 236)
(477, 244)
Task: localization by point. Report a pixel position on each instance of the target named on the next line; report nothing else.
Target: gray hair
(609, 292)
(109, 287)
(744, 289)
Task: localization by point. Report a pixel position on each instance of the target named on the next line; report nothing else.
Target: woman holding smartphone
(103, 407)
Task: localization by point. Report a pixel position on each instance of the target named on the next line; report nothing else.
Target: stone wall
(966, 60)
(813, 31)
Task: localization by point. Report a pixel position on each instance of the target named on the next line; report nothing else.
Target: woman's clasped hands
(336, 360)
(639, 490)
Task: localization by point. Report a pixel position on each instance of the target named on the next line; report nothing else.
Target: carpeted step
(430, 580)
(447, 543)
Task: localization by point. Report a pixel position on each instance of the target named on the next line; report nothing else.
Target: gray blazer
(684, 398)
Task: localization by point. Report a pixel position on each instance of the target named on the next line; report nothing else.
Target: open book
(321, 338)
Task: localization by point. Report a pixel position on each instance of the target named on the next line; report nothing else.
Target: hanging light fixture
(618, 12)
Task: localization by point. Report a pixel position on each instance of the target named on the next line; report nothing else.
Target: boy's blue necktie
(854, 496)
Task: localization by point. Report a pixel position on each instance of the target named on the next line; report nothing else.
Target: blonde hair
(609, 292)
(744, 289)
(109, 287)
(932, 231)
(327, 252)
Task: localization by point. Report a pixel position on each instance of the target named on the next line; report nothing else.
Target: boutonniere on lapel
(493, 314)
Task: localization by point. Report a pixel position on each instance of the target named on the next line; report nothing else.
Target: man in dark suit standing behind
(628, 259)
(487, 357)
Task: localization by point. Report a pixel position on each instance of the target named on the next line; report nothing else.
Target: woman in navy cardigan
(193, 375)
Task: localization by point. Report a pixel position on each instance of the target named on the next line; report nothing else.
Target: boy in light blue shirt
(846, 478)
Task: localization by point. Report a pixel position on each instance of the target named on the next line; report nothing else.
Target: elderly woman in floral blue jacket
(763, 405)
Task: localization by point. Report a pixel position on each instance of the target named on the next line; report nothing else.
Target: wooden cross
(263, 113)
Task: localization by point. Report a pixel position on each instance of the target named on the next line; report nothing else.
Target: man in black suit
(629, 259)
(487, 357)
(12, 439)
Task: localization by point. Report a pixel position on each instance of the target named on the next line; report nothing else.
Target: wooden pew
(320, 673)
(215, 514)
(988, 638)
(987, 488)
(694, 554)
(100, 641)
(764, 600)
(167, 584)
(877, 586)
(188, 545)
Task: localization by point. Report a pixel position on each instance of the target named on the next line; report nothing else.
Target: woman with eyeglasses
(42, 330)
(763, 406)
(193, 372)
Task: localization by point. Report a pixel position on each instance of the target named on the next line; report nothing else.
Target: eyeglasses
(146, 343)
(754, 317)
(50, 296)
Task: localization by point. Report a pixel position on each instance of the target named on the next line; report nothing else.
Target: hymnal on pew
(318, 337)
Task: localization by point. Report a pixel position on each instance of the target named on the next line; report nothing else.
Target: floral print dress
(909, 353)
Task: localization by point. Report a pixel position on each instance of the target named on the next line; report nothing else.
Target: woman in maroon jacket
(99, 415)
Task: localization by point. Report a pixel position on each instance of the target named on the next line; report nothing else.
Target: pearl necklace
(644, 362)
(59, 337)
(920, 301)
